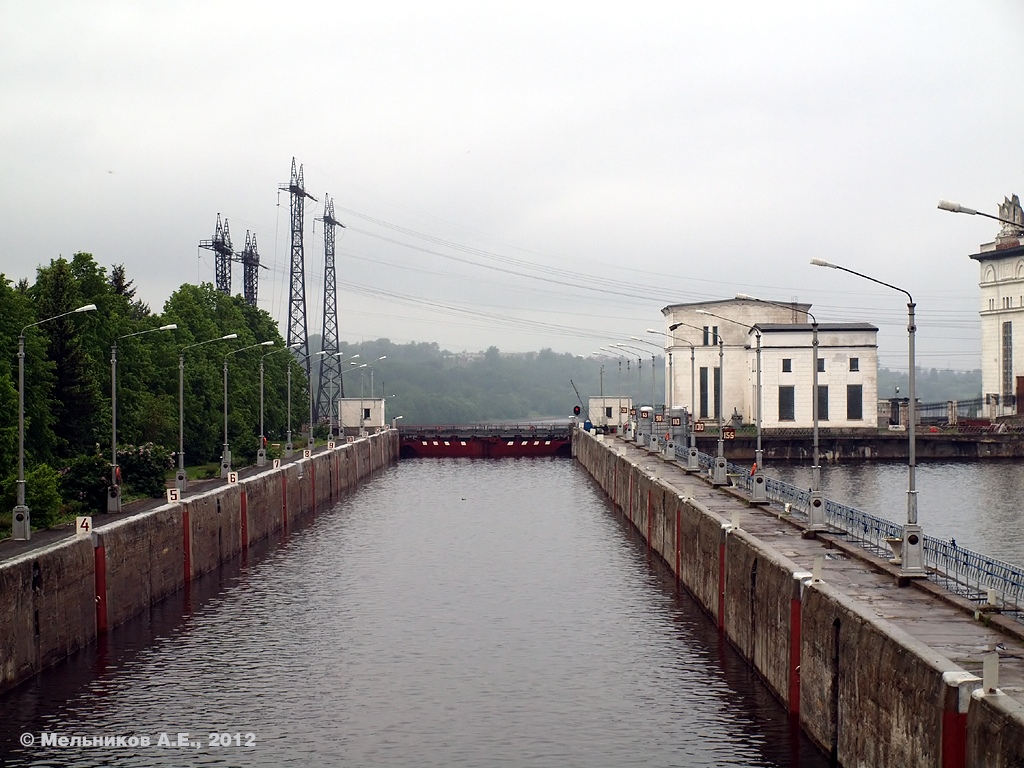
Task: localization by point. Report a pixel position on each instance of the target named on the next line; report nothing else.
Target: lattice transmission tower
(298, 337)
(250, 258)
(221, 247)
(330, 364)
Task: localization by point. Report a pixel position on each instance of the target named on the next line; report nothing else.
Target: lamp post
(816, 502)
(225, 459)
(310, 440)
(651, 438)
(912, 554)
(261, 452)
(946, 205)
(758, 453)
(21, 529)
(180, 480)
(693, 462)
(341, 377)
(114, 492)
(370, 366)
(338, 391)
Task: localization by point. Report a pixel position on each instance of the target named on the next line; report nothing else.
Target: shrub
(42, 494)
(83, 484)
(144, 468)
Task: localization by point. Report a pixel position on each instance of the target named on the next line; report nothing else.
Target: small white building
(722, 377)
(1002, 307)
(609, 411)
(359, 414)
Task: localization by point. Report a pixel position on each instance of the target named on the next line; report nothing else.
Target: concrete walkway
(926, 611)
(9, 548)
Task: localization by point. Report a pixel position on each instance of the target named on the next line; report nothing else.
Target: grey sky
(626, 156)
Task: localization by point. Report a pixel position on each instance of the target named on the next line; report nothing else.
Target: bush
(83, 484)
(144, 468)
(42, 494)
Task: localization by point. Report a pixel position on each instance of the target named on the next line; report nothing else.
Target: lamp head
(87, 308)
(745, 297)
(948, 205)
(703, 312)
(267, 343)
(823, 263)
(229, 336)
(171, 327)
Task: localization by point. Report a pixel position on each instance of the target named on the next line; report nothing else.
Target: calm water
(450, 613)
(980, 504)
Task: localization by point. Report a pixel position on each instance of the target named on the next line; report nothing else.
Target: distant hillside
(434, 386)
(933, 385)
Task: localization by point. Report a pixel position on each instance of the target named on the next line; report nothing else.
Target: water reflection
(448, 613)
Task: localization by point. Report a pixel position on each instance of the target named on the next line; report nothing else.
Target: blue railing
(961, 571)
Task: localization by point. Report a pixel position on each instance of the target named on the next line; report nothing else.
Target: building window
(787, 365)
(706, 334)
(787, 403)
(991, 303)
(608, 412)
(710, 335)
(823, 402)
(854, 363)
(703, 392)
(718, 393)
(366, 413)
(821, 365)
(854, 402)
(1007, 359)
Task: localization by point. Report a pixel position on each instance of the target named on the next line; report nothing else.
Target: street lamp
(816, 502)
(692, 454)
(261, 452)
(370, 366)
(180, 480)
(114, 492)
(758, 453)
(22, 524)
(618, 386)
(310, 440)
(651, 438)
(946, 205)
(912, 554)
(225, 459)
(341, 377)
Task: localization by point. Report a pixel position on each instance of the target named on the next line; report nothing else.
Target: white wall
(353, 408)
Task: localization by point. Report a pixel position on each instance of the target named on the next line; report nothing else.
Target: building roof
(822, 327)
(790, 305)
(991, 252)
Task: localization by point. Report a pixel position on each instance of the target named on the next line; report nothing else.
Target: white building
(1002, 307)
(724, 376)
(609, 411)
(358, 414)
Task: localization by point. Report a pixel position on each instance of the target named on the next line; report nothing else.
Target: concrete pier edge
(867, 691)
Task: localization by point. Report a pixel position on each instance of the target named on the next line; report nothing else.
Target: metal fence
(984, 580)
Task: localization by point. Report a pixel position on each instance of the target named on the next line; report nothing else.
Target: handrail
(977, 577)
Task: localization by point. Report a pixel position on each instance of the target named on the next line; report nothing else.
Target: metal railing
(992, 583)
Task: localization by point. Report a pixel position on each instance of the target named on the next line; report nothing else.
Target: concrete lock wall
(56, 600)
(862, 689)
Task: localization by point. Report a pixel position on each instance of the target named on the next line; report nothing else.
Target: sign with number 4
(83, 526)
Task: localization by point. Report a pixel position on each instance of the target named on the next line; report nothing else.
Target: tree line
(67, 368)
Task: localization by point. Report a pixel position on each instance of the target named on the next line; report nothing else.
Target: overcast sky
(527, 175)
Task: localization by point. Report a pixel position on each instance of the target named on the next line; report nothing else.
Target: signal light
(575, 410)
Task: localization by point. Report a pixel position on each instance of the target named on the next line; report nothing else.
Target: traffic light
(575, 410)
